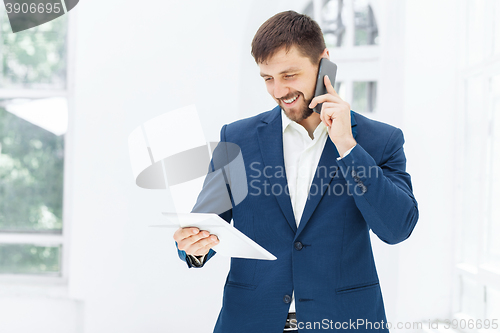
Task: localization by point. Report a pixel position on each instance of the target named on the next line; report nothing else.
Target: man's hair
(288, 29)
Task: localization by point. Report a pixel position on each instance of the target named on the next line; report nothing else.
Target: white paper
(232, 242)
(184, 195)
(174, 132)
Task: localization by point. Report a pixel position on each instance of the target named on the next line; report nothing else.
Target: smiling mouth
(291, 100)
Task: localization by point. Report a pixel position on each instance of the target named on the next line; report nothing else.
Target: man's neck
(310, 123)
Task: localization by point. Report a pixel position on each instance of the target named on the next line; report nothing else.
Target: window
(33, 123)
(477, 267)
(364, 96)
(351, 35)
(365, 27)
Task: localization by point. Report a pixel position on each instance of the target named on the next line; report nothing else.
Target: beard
(304, 110)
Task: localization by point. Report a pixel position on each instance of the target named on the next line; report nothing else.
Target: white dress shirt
(301, 154)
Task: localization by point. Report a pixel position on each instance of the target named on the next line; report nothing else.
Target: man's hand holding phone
(195, 242)
(336, 114)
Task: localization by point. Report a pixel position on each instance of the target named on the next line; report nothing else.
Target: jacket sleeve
(383, 193)
(211, 198)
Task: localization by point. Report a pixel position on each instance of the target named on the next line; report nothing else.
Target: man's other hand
(195, 242)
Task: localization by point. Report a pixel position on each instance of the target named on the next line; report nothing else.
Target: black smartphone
(326, 67)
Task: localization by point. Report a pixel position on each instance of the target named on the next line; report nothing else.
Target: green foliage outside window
(29, 259)
(34, 58)
(31, 176)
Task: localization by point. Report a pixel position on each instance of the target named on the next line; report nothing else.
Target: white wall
(133, 65)
(418, 93)
(430, 80)
(27, 308)
(136, 61)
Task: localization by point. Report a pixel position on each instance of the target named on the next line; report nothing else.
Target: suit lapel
(323, 176)
(271, 145)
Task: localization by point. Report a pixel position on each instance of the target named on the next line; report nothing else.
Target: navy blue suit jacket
(327, 260)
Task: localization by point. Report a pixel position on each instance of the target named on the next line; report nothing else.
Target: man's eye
(267, 78)
(289, 76)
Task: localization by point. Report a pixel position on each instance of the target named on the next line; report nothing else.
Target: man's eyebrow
(288, 70)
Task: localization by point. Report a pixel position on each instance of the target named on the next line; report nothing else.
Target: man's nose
(280, 90)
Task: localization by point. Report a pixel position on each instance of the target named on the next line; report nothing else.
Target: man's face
(290, 79)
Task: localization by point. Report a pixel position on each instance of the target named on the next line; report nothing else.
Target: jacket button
(298, 246)
(287, 299)
(362, 187)
(353, 173)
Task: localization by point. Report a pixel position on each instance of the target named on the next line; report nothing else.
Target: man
(344, 175)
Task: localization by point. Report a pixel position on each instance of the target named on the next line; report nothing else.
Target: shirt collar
(285, 121)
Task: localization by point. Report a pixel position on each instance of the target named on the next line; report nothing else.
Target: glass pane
(475, 30)
(333, 24)
(496, 35)
(492, 303)
(29, 259)
(471, 296)
(473, 177)
(340, 88)
(34, 58)
(364, 96)
(494, 220)
(31, 174)
(366, 31)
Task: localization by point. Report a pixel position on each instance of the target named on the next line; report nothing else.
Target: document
(232, 242)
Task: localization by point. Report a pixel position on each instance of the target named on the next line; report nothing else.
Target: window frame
(357, 63)
(51, 239)
(482, 273)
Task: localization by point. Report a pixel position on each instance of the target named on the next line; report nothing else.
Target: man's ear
(325, 54)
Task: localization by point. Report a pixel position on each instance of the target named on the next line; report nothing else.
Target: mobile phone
(326, 67)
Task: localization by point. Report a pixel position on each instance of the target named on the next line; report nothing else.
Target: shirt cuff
(346, 153)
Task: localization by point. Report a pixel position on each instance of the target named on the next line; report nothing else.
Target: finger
(182, 233)
(329, 86)
(204, 250)
(204, 243)
(325, 98)
(186, 243)
(325, 118)
(330, 112)
(315, 101)
(328, 120)
(325, 115)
